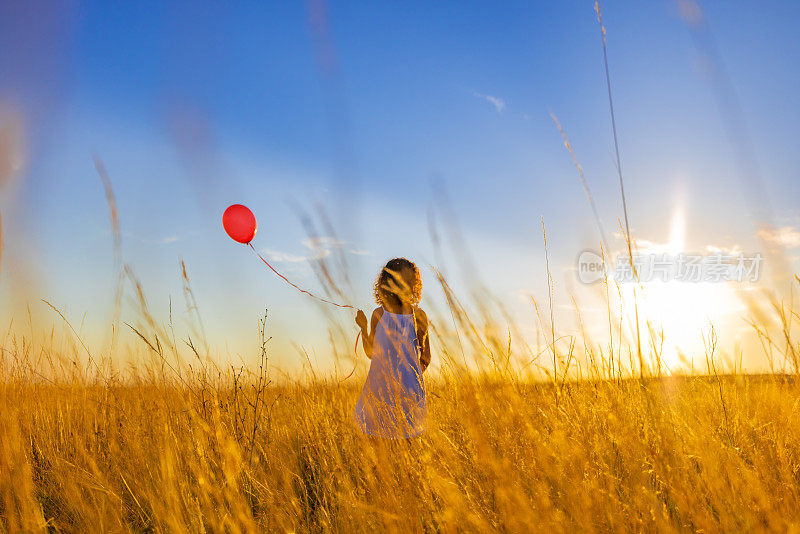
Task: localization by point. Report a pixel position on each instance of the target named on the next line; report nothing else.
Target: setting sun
(675, 316)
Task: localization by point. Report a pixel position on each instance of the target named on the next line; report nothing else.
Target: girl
(392, 403)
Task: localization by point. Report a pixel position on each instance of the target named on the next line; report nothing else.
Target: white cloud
(786, 236)
(319, 247)
(498, 103)
(647, 246)
(282, 257)
(725, 251)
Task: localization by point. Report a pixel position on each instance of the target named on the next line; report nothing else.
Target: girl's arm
(424, 339)
(368, 335)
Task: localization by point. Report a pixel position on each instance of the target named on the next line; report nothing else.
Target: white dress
(392, 403)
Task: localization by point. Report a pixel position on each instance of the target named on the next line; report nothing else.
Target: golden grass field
(166, 446)
(675, 454)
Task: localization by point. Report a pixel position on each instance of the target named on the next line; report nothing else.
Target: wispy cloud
(725, 251)
(318, 248)
(785, 236)
(282, 257)
(647, 246)
(498, 103)
(642, 245)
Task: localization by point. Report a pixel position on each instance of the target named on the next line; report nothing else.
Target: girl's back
(392, 403)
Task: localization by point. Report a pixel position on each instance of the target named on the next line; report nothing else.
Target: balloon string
(358, 336)
(295, 285)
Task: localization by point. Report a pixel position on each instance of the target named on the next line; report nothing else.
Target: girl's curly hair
(389, 283)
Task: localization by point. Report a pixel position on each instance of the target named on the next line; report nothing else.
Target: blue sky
(193, 107)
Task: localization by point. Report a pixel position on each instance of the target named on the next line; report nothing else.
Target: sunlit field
(175, 442)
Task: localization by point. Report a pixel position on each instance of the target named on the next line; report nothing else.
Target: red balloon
(240, 223)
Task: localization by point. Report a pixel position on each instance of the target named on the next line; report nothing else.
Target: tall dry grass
(675, 454)
(178, 443)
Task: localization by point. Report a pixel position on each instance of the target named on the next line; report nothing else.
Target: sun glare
(678, 313)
